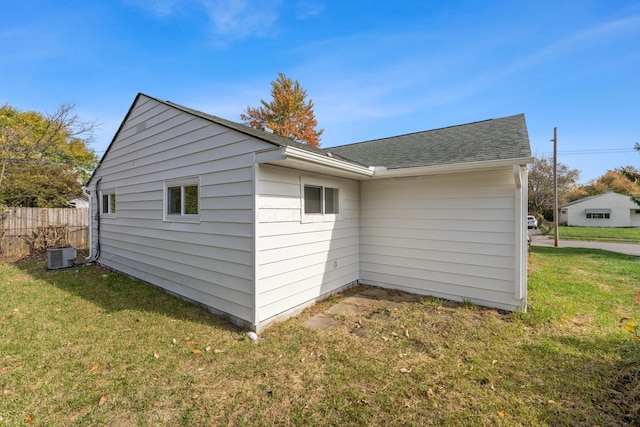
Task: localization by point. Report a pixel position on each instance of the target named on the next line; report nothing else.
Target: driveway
(633, 249)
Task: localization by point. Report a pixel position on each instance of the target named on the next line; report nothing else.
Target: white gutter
(304, 157)
(321, 160)
(451, 168)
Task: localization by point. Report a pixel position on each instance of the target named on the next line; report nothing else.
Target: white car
(532, 222)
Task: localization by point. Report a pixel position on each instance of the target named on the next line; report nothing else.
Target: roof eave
(450, 168)
(312, 162)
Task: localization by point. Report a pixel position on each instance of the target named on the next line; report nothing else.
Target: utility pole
(555, 186)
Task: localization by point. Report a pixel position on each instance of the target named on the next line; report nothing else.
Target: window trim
(111, 204)
(596, 215)
(321, 216)
(182, 183)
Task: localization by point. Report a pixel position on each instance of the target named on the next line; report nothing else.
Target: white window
(321, 203)
(182, 199)
(598, 216)
(108, 203)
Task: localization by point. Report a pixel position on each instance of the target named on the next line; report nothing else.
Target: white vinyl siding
(210, 260)
(450, 236)
(198, 216)
(299, 262)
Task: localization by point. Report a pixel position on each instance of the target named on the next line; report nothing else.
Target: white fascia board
(307, 160)
(452, 168)
(315, 162)
(269, 155)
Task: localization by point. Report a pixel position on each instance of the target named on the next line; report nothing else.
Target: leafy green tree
(44, 159)
(541, 185)
(613, 180)
(288, 114)
(633, 175)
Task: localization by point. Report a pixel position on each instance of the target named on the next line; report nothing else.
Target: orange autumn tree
(288, 114)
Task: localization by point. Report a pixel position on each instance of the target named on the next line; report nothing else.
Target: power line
(594, 151)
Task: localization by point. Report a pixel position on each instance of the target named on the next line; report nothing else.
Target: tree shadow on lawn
(115, 292)
(605, 368)
(588, 388)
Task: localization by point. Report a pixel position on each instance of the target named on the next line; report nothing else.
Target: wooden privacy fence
(25, 230)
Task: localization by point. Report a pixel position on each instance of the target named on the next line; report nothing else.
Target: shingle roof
(494, 139)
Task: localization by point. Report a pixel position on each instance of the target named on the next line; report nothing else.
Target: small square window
(321, 200)
(108, 203)
(183, 199)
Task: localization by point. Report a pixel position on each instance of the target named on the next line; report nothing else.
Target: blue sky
(373, 69)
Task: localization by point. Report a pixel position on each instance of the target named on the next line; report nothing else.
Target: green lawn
(87, 346)
(623, 235)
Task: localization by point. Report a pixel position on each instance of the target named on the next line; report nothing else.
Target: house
(256, 227)
(79, 203)
(603, 210)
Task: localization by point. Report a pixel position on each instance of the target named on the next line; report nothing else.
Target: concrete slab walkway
(364, 300)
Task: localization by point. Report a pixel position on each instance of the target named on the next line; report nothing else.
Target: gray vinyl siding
(297, 261)
(450, 236)
(209, 261)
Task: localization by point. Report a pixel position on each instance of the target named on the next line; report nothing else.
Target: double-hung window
(182, 199)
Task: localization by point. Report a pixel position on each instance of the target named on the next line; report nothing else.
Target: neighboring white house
(604, 210)
(79, 203)
(256, 227)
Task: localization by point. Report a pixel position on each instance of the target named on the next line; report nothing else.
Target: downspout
(256, 300)
(94, 255)
(520, 292)
(525, 264)
(86, 192)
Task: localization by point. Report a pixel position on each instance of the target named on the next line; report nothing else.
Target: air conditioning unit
(61, 257)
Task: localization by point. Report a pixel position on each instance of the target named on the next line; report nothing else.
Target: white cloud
(576, 42)
(242, 18)
(158, 8)
(307, 9)
(235, 19)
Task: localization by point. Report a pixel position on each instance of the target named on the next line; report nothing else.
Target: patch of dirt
(581, 323)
